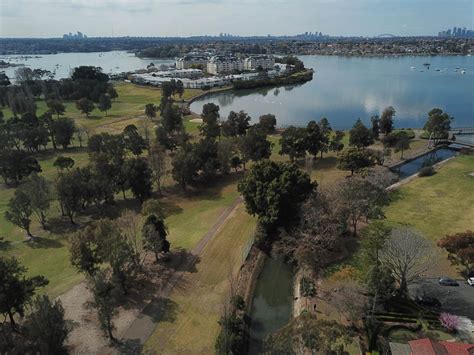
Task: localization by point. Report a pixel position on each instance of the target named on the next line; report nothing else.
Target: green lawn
(440, 204)
(191, 327)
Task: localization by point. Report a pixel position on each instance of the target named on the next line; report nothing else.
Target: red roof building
(432, 347)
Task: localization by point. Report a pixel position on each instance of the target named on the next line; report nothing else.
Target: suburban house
(428, 346)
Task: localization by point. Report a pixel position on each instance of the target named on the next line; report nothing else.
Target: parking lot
(457, 300)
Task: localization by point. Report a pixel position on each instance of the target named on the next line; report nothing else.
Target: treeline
(264, 80)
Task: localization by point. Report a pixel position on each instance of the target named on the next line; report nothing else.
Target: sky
(52, 18)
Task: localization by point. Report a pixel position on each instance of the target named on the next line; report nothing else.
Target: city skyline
(159, 18)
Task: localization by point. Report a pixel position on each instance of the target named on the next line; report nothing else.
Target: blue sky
(52, 18)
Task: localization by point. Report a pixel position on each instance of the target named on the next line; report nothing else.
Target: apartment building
(254, 62)
(224, 64)
(189, 61)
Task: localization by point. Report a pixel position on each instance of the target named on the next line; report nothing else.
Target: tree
(294, 142)
(112, 92)
(85, 106)
(438, 124)
(154, 234)
(236, 162)
(72, 191)
(104, 302)
(56, 107)
(360, 136)
(139, 178)
(408, 255)
(326, 130)
(64, 129)
(172, 119)
(356, 160)
(386, 120)
(150, 111)
(210, 121)
(85, 254)
(274, 191)
(361, 198)
(157, 163)
(254, 146)
(133, 141)
(336, 144)
(375, 126)
(105, 103)
(16, 288)
(267, 123)
(460, 248)
(398, 140)
(236, 124)
(19, 210)
(46, 326)
(184, 167)
(314, 139)
(39, 192)
(63, 163)
(16, 165)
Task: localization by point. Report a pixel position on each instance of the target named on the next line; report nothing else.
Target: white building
(223, 64)
(264, 61)
(190, 60)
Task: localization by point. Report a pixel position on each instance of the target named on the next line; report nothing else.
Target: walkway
(143, 326)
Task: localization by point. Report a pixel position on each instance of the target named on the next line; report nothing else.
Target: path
(143, 326)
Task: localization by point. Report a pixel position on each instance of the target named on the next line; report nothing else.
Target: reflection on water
(63, 63)
(415, 165)
(272, 302)
(344, 89)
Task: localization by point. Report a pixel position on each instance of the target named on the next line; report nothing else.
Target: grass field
(192, 327)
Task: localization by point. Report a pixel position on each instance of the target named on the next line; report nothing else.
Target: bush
(426, 171)
(409, 132)
(307, 287)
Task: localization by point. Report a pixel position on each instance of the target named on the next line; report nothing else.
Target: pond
(272, 301)
(344, 89)
(412, 167)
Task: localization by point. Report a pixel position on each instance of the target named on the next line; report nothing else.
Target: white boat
(412, 68)
(463, 71)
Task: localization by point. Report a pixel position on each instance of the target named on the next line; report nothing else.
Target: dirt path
(144, 324)
(134, 325)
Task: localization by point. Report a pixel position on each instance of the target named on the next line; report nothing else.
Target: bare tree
(129, 225)
(350, 301)
(408, 255)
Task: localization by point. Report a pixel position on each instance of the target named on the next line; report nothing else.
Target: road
(457, 300)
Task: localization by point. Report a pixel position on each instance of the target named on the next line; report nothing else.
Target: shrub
(426, 171)
(450, 322)
(307, 287)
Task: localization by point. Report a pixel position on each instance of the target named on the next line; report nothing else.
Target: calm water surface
(344, 89)
(62, 63)
(272, 301)
(415, 165)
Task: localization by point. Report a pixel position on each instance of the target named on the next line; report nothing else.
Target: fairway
(440, 204)
(191, 326)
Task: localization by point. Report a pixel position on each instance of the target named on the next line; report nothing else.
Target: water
(344, 89)
(272, 302)
(467, 138)
(413, 166)
(63, 63)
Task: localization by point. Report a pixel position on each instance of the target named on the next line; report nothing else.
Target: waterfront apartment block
(259, 61)
(191, 61)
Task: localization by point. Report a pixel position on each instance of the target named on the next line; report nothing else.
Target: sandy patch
(196, 120)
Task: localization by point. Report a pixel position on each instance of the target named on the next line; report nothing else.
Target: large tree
(104, 302)
(16, 289)
(40, 194)
(210, 128)
(105, 103)
(360, 136)
(408, 255)
(157, 163)
(56, 107)
(386, 120)
(133, 141)
(84, 105)
(254, 146)
(185, 167)
(46, 326)
(399, 140)
(294, 142)
(356, 160)
(460, 248)
(237, 124)
(139, 178)
(267, 123)
(154, 234)
(16, 165)
(274, 191)
(64, 129)
(150, 111)
(438, 124)
(19, 210)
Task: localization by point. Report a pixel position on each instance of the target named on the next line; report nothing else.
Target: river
(62, 63)
(344, 89)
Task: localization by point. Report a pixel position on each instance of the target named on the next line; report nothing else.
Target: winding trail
(144, 324)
